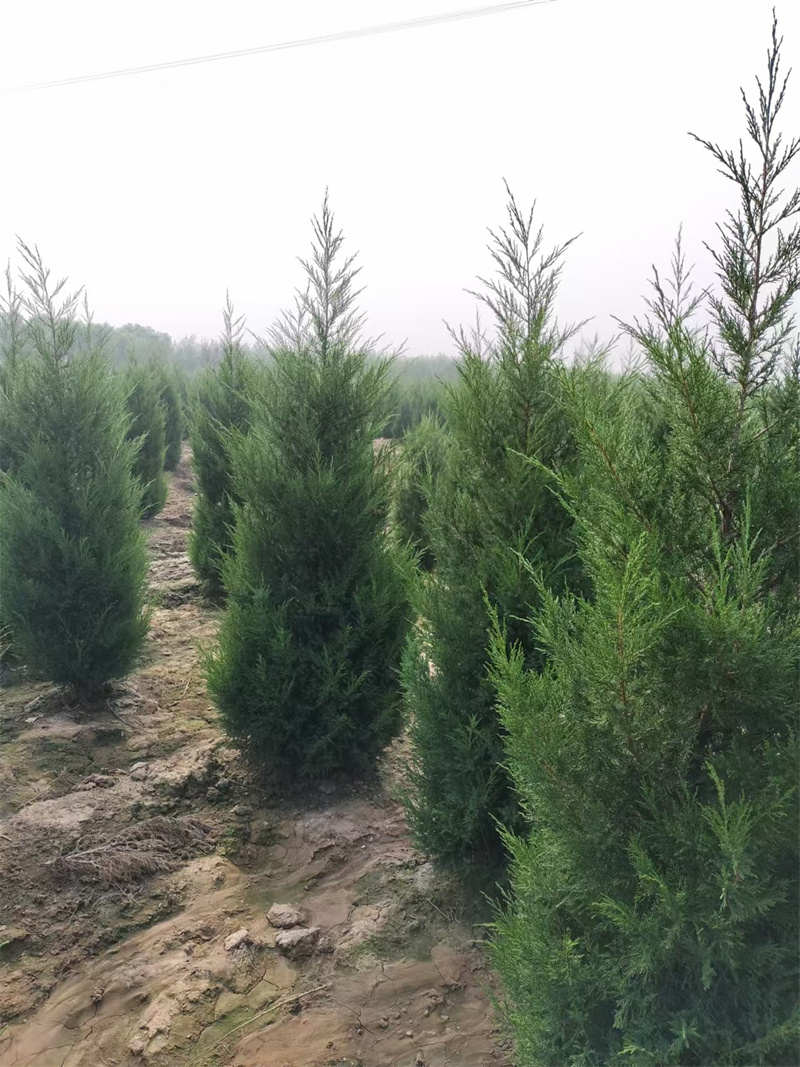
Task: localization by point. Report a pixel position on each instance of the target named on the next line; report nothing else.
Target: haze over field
(162, 190)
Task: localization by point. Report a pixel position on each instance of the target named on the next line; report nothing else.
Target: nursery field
(138, 863)
(361, 710)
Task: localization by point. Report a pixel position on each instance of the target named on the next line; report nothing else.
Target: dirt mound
(139, 864)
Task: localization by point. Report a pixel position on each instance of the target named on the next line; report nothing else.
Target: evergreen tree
(12, 341)
(654, 908)
(222, 407)
(72, 557)
(416, 470)
(12, 351)
(172, 406)
(12, 333)
(493, 525)
(305, 674)
(147, 428)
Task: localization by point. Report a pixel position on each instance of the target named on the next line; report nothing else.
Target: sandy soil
(138, 862)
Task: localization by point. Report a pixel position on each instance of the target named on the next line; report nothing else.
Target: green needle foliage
(72, 557)
(653, 912)
(306, 671)
(12, 344)
(421, 457)
(493, 525)
(142, 387)
(172, 406)
(12, 337)
(222, 407)
(654, 909)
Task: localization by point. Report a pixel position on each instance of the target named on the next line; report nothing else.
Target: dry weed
(155, 845)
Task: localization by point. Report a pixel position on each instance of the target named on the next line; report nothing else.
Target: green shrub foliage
(222, 407)
(494, 526)
(653, 915)
(420, 458)
(169, 394)
(72, 557)
(412, 400)
(14, 345)
(142, 387)
(305, 675)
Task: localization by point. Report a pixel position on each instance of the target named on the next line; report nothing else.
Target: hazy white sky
(162, 190)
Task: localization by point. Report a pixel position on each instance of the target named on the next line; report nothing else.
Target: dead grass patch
(146, 848)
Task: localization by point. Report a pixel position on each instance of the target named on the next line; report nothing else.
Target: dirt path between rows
(138, 862)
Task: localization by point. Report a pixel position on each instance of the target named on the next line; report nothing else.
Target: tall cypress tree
(12, 338)
(305, 674)
(172, 407)
(421, 457)
(222, 408)
(147, 429)
(654, 909)
(494, 527)
(12, 344)
(72, 557)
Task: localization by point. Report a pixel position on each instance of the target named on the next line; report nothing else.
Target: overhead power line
(281, 46)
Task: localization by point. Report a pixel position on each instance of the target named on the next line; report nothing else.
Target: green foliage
(222, 407)
(652, 919)
(72, 557)
(169, 394)
(305, 674)
(142, 387)
(416, 469)
(653, 913)
(494, 526)
(13, 428)
(12, 339)
(412, 402)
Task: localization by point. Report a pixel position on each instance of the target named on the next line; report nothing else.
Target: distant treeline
(416, 392)
(142, 343)
(418, 380)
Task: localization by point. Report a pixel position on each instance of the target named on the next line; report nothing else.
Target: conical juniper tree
(172, 407)
(12, 337)
(72, 556)
(493, 525)
(12, 344)
(222, 407)
(416, 467)
(306, 671)
(653, 913)
(142, 387)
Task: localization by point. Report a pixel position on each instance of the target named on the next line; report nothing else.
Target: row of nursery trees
(83, 455)
(578, 588)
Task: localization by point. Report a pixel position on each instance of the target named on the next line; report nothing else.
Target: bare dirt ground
(138, 862)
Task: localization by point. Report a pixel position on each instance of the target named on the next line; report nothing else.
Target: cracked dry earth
(138, 862)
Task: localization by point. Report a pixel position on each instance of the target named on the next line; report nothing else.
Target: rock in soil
(237, 939)
(284, 916)
(298, 942)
